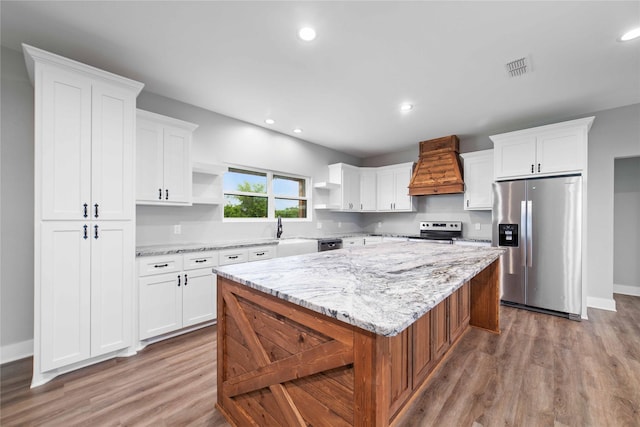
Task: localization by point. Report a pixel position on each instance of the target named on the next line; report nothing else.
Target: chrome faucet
(279, 229)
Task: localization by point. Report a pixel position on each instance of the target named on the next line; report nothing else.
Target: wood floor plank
(540, 371)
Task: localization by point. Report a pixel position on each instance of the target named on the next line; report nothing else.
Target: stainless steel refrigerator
(539, 222)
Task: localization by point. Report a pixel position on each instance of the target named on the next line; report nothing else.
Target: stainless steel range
(440, 231)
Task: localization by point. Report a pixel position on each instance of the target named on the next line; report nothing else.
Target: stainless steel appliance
(329, 244)
(539, 222)
(440, 231)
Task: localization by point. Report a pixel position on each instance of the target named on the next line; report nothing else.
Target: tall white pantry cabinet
(84, 213)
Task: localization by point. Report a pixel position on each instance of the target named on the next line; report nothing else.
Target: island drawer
(194, 260)
(261, 252)
(148, 266)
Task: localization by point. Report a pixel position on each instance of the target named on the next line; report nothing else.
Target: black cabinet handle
(198, 261)
(185, 280)
(96, 212)
(178, 280)
(95, 229)
(233, 257)
(259, 253)
(159, 193)
(467, 202)
(160, 265)
(166, 194)
(532, 168)
(538, 167)
(86, 213)
(86, 236)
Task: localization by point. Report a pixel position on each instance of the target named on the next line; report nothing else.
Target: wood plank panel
(485, 298)
(440, 331)
(283, 349)
(329, 393)
(422, 350)
(400, 385)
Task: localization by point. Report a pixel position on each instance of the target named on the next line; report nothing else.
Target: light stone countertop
(381, 288)
(179, 248)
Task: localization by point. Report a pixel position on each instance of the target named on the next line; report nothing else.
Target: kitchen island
(346, 337)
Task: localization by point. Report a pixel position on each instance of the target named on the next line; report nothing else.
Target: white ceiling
(244, 60)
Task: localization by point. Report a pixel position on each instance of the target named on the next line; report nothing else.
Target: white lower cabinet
(160, 305)
(176, 291)
(85, 293)
(198, 297)
(179, 291)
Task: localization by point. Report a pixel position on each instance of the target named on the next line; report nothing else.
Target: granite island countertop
(381, 288)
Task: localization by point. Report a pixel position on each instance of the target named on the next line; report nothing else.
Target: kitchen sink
(290, 247)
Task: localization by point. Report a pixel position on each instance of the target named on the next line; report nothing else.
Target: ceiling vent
(517, 67)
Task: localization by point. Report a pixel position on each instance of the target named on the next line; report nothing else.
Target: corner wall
(626, 215)
(16, 211)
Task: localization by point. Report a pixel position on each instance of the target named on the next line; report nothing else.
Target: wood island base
(282, 364)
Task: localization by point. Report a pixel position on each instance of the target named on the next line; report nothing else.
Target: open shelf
(208, 168)
(326, 206)
(326, 185)
(207, 183)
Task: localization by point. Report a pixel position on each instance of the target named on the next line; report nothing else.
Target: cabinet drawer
(352, 241)
(234, 256)
(148, 266)
(261, 252)
(195, 260)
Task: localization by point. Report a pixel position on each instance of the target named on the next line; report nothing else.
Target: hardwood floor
(541, 371)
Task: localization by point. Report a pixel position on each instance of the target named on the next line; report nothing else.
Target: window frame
(270, 195)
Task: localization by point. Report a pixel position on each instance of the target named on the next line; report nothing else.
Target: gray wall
(221, 139)
(615, 134)
(16, 223)
(626, 238)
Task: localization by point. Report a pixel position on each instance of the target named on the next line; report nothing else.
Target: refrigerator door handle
(523, 235)
(529, 233)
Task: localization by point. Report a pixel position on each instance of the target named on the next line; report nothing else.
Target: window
(259, 194)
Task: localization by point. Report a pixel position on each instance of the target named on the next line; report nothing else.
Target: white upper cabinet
(393, 188)
(65, 131)
(163, 158)
(112, 150)
(347, 196)
(542, 151)
(478, 180)
(87, 146)
(368, 189)
(368, 193)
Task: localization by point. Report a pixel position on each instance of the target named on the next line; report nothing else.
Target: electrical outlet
(318, 225)
(339, 225)
(477, 226)
(177, 229)
(379, 224)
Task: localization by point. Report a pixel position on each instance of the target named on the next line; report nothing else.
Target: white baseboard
(627, 290)
(16, 351)
(602, 303)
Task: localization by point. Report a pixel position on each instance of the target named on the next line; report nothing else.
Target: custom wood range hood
(438, 170)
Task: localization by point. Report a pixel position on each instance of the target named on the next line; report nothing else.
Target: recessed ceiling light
(406, 107)
(307, 34)
(269, 121)
(630, 35)
(297, 130)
